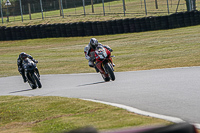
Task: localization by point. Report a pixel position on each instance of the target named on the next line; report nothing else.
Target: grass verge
(59, 114)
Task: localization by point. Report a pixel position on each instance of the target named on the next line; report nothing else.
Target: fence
(128, 25)
(18, 11)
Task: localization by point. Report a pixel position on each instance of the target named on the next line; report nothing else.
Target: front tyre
(31, 81)
(106, 78)
(37, 81)
(110, 72)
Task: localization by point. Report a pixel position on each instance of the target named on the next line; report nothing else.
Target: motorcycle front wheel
(106, 78)
(37, 81)
(110, 72)
(31, 81)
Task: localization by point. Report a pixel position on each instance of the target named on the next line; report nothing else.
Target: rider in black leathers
(20, 59)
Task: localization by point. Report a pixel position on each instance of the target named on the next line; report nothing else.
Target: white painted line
(145, 113)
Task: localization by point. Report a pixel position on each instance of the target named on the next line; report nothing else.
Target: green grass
(57, 114)
(135, 51)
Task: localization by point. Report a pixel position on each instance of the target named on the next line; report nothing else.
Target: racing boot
(24, 78)
(97, 70)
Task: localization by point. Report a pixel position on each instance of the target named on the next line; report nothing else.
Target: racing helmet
(93, 43)
(23, 56)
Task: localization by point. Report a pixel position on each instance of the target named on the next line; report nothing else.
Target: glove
(35, 61)
(110, 50)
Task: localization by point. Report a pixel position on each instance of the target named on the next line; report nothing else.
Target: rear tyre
(110, 72)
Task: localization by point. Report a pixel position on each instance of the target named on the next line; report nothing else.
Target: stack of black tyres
(8, 33)
(13, 33)
(18, 33)
(22, 31)
(62, 30)
(74, 29)
(148, 25)
(142, 22)
(28, 32)
(152, 23)
(43, 32)
(125, 24)
(94, 28)
(175, 20)
(180, 19)
(157, 22)
(120, 27)
(186, 17)
(191, 15)
(57, 30)
(80, 29)
(33, 32)
(164, 22)
(109, 26)
(68, 30)
(137, 25)
(88, 28)
(100, 28)
(114, 26)
(132, 25)
(197, 17)
(104, 26)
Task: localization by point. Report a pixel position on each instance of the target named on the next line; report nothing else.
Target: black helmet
(93, 43)
(23, 56)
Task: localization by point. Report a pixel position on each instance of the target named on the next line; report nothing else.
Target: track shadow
(21, 91)
(93, 83)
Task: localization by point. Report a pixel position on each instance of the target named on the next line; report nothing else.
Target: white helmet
(93, 43)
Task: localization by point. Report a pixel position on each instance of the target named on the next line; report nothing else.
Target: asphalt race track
(171, 92)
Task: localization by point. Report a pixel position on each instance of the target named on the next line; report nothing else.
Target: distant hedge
(129, 25)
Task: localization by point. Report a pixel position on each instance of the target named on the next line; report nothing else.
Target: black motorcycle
(31, 73)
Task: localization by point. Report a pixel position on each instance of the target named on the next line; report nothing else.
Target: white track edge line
(145, 113)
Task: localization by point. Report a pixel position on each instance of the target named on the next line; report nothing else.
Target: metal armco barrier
(129, 25)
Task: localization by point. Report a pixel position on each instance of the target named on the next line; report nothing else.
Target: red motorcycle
(104, 63)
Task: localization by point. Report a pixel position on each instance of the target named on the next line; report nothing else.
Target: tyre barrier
(114, 26)
(109, 26)
(88, 28)
(128, 25)
(100, 28)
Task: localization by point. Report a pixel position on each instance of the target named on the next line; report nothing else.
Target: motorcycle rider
(89, 52)
(20, 59)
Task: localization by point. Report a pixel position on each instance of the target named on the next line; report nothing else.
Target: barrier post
(84, 6)
(20, 3)
(103, 7)
(41, 9)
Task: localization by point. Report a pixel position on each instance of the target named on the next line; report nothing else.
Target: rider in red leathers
(89, 51)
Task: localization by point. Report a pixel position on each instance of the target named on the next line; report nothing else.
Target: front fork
(100, 66)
